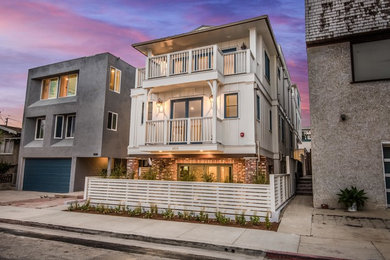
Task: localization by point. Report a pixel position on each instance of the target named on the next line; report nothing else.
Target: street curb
(297, 256)
(108, 245)
(166, 241)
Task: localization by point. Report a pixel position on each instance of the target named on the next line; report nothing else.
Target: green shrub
(149, 175)
(259, 178)
(268, 223)
(153, 209)
(148, 214)
(240, 219)
(137, 211)
(188, 177)
(85, 206)
(168, 214)
(4, 167)
(102, 173)
(255, 220)
(221, 218)
(353, 195)
(118, 172)
(207, 177)
(203, 217)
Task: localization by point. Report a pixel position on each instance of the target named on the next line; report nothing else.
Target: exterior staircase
(305, 185)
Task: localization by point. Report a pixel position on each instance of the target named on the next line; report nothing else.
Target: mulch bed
(261, 225)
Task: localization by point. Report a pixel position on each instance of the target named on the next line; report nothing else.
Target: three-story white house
(214, 104)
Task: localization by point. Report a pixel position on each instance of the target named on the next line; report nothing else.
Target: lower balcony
(180, 134)
(179, 131)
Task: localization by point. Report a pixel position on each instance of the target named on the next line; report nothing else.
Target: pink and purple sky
(40, 32)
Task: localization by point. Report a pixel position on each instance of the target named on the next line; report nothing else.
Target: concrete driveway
(34, 199)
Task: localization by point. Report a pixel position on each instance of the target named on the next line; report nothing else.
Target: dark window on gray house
(70, 126)
(112, 121)
(59, 126)
(40, 128)
(371, 60)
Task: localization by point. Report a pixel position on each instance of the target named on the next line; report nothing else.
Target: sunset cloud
(35, 33)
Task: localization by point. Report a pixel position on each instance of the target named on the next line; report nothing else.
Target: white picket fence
(228, 198)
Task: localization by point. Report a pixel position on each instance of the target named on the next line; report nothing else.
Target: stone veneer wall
(243, 168)
(349, 152)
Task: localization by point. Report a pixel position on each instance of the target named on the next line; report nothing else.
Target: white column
(190, 61)
(109, 165)
(214, 90)
(288, 166)
(72, 174)
(215, 50)
(253, 41)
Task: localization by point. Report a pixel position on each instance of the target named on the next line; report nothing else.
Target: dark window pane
(109, 120)
(258, 107)
(371, 60)
(150, 110)
(387, 167)
(114, 120)
(387, 182)
(142, 114)
(60, 121)
(386, 152)
(388, 198)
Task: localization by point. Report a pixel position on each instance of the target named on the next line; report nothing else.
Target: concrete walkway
(336, 233)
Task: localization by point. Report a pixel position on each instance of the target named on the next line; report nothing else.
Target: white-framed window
(59, 127)
(115, 79)
(112, 121)
(39, 128)
(59, 87)
(68, 85)
(49, 88)
(7, 146)
(70, 126)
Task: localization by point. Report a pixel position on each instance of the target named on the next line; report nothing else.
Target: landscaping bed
(169, 215)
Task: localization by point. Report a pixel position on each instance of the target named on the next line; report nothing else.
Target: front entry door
(181, 110)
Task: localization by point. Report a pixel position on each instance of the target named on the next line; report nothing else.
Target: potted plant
(352, 198)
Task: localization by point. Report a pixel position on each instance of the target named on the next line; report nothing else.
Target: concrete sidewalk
(297, 232)
(336, 233)
(189, 232)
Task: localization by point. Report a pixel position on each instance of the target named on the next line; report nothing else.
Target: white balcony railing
(197, 60)
(235, 62)
(179, 131)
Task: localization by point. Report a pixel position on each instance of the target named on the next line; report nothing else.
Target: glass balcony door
(181, 110)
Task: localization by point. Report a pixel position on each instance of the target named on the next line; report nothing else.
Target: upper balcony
(205, 63)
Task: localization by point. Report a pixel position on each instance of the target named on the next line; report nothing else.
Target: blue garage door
(51, 175)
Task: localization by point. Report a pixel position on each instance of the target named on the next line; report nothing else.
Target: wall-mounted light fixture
(211, 98)
(159, 105)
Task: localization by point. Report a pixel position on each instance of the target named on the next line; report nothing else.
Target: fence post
(272, 192)
(168, 65)
(86, 185)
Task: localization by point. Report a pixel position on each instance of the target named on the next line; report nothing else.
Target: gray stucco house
(75, 123)
(348, 49)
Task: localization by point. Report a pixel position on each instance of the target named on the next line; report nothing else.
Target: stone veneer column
(250, 169)
(132, 167)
